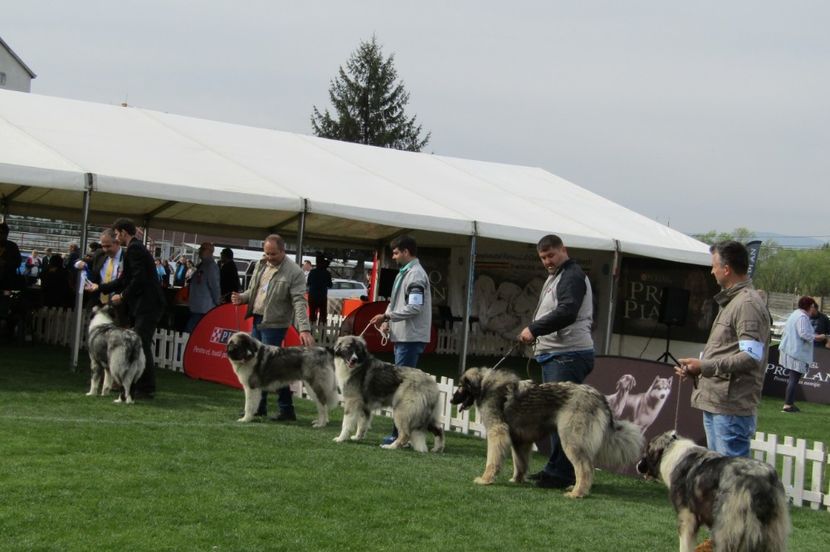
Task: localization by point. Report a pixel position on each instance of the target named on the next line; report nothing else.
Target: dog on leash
(115, 354)
(617, 400)
(368, 383)
(741, 500)
(518, 413)
(266, 367)
(642, 408)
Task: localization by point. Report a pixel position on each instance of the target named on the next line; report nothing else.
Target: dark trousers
(318, 310)
(273, 336)
(144, 325)
(573, 367)
(792, 385)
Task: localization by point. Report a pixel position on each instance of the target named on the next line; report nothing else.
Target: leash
(384, 337)
(513, 348)
(677, 408)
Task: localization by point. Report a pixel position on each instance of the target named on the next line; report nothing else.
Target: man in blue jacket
(561, 330)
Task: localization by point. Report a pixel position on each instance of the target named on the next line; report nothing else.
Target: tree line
(798, 271)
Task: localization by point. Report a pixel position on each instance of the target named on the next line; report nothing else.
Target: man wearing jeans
(564, 346)
(730, 373)
(408, 318)
(275, 297)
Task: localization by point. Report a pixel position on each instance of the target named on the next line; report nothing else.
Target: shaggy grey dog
(741, 500)
(115, 354)
(368, 383)
(265, 367)
(517, 413)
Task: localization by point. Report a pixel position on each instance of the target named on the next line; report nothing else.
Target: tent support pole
(613, 281)
(468, 304)
(146, 237)
(79, 292)
(301, 232)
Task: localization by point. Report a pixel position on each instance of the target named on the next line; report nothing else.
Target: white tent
(93, 162)
(175, 171)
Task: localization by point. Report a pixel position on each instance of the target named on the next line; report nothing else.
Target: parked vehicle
(347, 289)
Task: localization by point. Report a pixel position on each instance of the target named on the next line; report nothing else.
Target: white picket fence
(803, 470)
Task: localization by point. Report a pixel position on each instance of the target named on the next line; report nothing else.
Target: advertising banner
(646, 393)
(813, 387)
(642, 285)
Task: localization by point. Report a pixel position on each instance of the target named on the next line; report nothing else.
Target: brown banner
(813, 387)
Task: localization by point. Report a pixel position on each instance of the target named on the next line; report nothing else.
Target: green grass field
(179, 473)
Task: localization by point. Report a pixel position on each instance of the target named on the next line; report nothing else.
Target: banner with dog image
(645, 393)
(813, 387)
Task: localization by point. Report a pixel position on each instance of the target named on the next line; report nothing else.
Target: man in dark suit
(106, 265)
(138, 287)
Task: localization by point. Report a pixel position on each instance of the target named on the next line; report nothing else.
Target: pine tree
(369, 104)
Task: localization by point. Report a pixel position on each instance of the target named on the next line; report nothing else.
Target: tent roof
(195, 174)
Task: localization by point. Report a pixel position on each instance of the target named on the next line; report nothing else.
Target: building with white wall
(14, 74)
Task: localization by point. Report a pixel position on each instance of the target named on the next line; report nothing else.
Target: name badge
(416, 299)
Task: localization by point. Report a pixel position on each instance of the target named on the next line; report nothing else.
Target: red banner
(358, 320)
(205, 355)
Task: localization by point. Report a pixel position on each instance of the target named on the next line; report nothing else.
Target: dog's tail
(755, 523)
(623, 444)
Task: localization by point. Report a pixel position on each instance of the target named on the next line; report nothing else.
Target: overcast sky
(703, 115)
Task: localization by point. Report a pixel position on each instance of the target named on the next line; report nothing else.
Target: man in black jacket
(561, 330)
(138, 287)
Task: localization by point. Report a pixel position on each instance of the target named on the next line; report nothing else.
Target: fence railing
(803, 470)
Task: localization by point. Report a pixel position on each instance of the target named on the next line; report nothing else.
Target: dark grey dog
(265, 367)
(517, 413)
(115, 354)
(741, 500)
(368, 383)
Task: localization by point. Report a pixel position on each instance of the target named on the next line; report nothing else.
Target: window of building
(2, 78)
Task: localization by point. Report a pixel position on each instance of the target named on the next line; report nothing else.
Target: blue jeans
(273, 336)
(573, 367)
(407, 353)
(728, 435)
(792, 385)
(192, 321)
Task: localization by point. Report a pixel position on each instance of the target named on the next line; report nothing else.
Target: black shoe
(284, 417)
(792, 408)
(547, 481)
(139, 394)
(536, 476)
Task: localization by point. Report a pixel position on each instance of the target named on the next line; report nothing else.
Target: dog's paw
(356, 437)
(482, 481)
(572, 494)
(244, 419)
(318, 423)
(90, 394)
(118, 400)
(518, 480)
(339, 439)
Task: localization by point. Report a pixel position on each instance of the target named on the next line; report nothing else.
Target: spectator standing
(564, 347)
(139, 289)
(33, 268)
(54, 284)
(10, 260)
(318, 283)
(181, 272)
(204, 287)
(821, 325)
(107, 263)
(795, 352)
(307, 268)
(275, 297)
(730, 373)
(408, 317)
(228, 275)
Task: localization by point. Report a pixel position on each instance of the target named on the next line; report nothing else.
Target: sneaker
(536, 476)
(792, 408)
(284, 417)
(389, 439)
(547, 481)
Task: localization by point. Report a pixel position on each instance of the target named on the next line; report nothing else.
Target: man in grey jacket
(275, 297)
(408, 317)
(561, 330)
(204, 287)
(730, 373)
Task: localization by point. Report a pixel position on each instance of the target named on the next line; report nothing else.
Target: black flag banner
(754, 248)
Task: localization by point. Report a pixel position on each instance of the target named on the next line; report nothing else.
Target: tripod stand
(666, 356)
